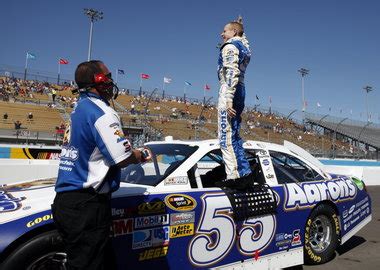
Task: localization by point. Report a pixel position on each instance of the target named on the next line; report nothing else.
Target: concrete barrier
(16, 170)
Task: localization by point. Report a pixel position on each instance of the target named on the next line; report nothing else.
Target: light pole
(94, 16)
(303, 72)
(367, 89)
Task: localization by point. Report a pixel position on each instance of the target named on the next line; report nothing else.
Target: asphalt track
(362, 251)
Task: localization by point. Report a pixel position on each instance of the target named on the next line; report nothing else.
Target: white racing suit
(233, 59)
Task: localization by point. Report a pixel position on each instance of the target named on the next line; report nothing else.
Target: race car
(169, 214)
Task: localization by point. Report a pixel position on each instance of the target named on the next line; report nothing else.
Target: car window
(211, 168)
(291, 169)
(165, 159)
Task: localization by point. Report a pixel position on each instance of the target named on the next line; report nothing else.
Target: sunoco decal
(308, 194)
(180, 202)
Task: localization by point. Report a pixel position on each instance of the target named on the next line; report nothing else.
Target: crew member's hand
(230, 110)
(146, 155)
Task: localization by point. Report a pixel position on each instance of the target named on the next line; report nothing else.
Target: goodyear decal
(180, 202)
(181, 230)
(308, 194)
(39, 220)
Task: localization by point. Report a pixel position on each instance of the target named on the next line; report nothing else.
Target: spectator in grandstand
(5, 116)
(233, 59)
(30, 116)
(17, 125)
(94, 149)
(53, 94)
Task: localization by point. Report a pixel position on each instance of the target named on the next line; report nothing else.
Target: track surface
(362, 251)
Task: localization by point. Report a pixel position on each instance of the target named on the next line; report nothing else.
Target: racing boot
(241, 183)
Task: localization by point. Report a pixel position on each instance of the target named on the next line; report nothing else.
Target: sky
(337, 40)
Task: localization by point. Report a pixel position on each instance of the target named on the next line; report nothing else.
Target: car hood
(25, 198)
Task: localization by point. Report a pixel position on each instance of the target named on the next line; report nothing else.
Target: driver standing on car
(234, 58)
(94, 151)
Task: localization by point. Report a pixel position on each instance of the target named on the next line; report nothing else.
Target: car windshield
(165, 159)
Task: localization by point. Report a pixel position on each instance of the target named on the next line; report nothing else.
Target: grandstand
(151, 117)
(356, 132)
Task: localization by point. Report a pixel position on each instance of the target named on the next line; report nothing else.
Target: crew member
(234, 57)
(94, 149)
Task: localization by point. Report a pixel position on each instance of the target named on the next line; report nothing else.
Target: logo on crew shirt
(70, 153)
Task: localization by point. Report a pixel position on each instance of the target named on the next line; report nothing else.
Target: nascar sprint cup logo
(308, 194)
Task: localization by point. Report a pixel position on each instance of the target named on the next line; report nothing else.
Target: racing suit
(233, 59)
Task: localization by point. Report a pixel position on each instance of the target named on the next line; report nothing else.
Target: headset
(103, 83)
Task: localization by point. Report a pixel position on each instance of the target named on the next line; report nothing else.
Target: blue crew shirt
(93, 143)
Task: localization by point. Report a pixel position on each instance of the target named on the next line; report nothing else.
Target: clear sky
(338, 40)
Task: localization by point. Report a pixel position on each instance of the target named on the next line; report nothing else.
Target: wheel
(43, 252)
(321, 235)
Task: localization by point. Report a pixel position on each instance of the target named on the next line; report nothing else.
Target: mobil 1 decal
(303, 195)
(217, 233)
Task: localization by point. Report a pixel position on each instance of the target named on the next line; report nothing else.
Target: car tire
(321, 235)
(43, 252)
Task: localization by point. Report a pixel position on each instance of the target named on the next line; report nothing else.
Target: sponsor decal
(69, 153)
(308, 194)
(181, 230)
(266, 162)
(180, 202)
(124, 212)
(269, 176)
(121, 227)
(160, 236)
(39, 220)
(114, 125)
(223, 129)
(155, 237)
(296, 238)
(180, 180)
(355, 213)
(8, 202)
(154, 207)
(119, 133)
(151, 221)
(153, 253)
(142, 239)
(182, 218)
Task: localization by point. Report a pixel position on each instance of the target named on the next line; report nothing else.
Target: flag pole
(140, 85)
(117, 72)
(163, 88)
(59, 71)
(26, 66)
(184, 93)
(204, 95)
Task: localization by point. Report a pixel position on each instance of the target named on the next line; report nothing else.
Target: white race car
(168, 214)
